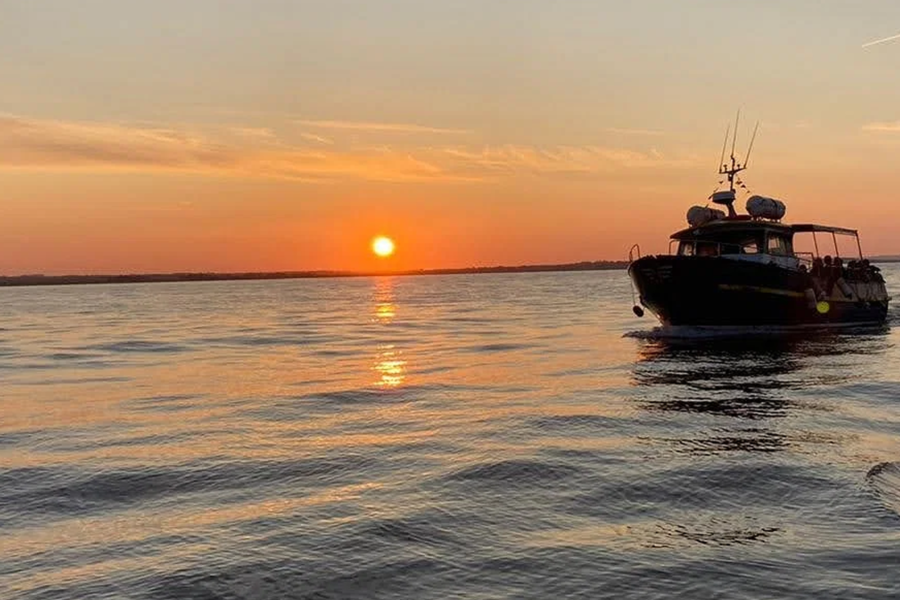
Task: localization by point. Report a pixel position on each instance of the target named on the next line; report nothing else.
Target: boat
(729, 269)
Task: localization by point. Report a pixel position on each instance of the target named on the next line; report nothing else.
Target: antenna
(727, 198)
(724, 144)
(750, 148)
(737, 120)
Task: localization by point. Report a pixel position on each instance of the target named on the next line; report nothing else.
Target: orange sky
(284, 136)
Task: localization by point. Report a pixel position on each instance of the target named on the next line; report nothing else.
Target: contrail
(887, 39)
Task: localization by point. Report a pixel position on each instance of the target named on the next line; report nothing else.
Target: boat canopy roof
(810, 227)
(729, 226)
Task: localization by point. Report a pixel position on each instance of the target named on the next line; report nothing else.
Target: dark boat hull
(716, 291)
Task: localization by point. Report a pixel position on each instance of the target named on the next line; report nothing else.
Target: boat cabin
(736, 237)
(745, 238)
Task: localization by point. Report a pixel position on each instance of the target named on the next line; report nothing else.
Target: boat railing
(634, 251)
(806, 259)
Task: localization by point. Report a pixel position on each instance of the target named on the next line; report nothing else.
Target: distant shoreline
(35, 280)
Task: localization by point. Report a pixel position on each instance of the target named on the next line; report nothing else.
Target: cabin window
(778, 245)
(749, 247)
(686, 249)
(707, 249)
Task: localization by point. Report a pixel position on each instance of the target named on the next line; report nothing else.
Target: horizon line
(186, 276)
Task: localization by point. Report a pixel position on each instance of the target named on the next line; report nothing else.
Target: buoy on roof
(760, 207)
(701, 215)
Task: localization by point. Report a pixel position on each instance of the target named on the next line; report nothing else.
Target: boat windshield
(774, 243)
(699, 248)
(779, 245)
(749, 246)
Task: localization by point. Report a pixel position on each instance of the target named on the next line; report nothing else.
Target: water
(489, 436)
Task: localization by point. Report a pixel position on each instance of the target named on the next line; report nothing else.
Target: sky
(227, 135)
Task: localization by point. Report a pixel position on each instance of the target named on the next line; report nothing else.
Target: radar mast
(727, 198)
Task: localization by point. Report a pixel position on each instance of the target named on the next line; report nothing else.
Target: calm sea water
(490, 436)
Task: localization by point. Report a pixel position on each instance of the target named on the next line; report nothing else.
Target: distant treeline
(20, 280)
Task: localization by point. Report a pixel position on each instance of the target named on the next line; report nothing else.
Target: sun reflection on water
(390, 367)
(383, 299)
(385, 311)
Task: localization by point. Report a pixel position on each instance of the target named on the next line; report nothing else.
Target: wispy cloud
(887, 127)
(564, 159)
(319, 139)
(62, 145)
(263, 134)
(382, 127)
(639, 132)
(46, 144)
(36, 142)
(881, 41)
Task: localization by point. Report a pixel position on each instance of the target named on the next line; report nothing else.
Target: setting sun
(383, 246)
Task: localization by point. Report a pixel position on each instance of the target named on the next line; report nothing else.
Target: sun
(383, 246)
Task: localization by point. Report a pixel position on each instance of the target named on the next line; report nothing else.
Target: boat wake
(691, 333)
(695, 333)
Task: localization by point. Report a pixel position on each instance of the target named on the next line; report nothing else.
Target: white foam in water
(885, 479)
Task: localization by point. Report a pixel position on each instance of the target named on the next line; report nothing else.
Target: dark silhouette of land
(598, 265)
(23, 280)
